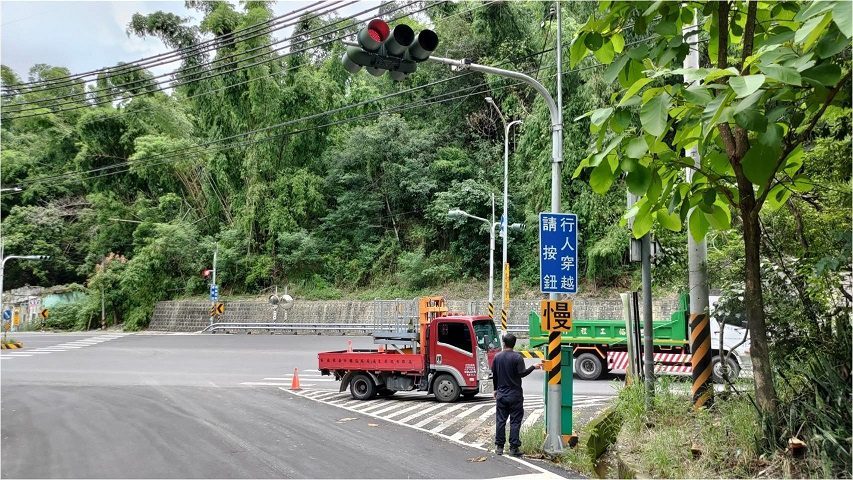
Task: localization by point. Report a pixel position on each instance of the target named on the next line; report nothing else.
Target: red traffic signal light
(371, 37)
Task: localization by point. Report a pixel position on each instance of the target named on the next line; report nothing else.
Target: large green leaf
(639, 180)
(794, 160)
(777, 197)
(593, 41)
(599, 116)
(637, 147)
(670, 221)
(747, 102)
(746, 85)
(697, 95)
(751, 119)
(605, 54)
(601, 178)
(758, 164)
(782, 74)
(614, 68)
(653, 115)
(698, 224)
(643, 220)
(810, 31)
(842, 15)
(577, 51)
(618, 42)
(719, 218)
(826, 74)
(633, 89)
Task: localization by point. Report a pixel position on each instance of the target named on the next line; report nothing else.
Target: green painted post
(567, 384)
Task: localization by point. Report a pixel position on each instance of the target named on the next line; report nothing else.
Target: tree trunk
(765, 392)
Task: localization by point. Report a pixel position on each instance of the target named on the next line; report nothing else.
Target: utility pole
(505, 219)
(103, 317)
(648, 327)
(697, 264)
(213, 300)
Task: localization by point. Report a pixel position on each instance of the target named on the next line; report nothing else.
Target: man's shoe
(514, 451)
(499, 450)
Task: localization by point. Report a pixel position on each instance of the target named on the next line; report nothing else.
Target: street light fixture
(505, 218)
(3, 268)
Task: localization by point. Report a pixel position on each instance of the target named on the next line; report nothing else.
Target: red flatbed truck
(448, 355)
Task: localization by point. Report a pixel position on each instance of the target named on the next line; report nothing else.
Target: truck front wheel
(361, 387)
(446, 389)
(588, 366)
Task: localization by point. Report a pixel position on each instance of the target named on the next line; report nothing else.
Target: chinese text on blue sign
(558, 252)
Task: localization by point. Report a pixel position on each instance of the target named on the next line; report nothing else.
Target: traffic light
(396, 51)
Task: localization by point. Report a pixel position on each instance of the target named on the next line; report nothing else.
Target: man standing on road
(507, 372)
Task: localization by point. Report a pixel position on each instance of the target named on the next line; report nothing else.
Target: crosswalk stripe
(327, 395)
(422, 412)
(473, 425)
(405, 410)
(312, 379)
(452, 408)
(392, 406)
(531, 419)
(457, 418)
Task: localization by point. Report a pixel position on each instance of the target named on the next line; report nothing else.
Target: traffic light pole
(553, 439)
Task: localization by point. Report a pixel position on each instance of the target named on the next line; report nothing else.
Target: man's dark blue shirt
(507, 372)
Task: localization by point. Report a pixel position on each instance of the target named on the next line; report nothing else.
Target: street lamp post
(3, 269)
(456, 212)
(504, 233)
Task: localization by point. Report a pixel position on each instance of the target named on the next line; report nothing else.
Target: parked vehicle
(445, 354)
(600, 345)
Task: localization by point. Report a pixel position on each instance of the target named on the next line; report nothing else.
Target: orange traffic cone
(349, 346)
(294, 385)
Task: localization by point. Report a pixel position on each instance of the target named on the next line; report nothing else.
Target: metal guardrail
(313, 327)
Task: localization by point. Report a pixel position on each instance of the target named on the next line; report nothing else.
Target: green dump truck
(601, 345)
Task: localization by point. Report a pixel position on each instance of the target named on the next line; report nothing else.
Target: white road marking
(274, 384)
(452, 408)
(422, 412)
(405, 410)
(531, 419)
(453, 420)
(17, 355)
(542, 473)
(290, 379)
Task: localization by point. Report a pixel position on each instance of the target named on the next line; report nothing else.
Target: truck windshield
(487, 334)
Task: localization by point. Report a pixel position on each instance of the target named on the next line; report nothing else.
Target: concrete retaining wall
(192, 316)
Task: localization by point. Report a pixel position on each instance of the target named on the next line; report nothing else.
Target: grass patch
(726, 438)
(577, 459)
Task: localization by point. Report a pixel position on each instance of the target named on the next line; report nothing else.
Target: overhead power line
(179, 52)
(77, 105)
(195, 70)
(287, 70)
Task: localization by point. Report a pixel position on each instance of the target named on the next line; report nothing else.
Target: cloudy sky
(86, 35)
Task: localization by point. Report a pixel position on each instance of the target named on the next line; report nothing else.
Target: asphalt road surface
(113, 405)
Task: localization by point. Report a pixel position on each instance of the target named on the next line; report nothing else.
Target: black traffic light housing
(396, 51)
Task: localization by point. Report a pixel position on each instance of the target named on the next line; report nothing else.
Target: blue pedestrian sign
(7, 314)
(214, 293)
(558, 252)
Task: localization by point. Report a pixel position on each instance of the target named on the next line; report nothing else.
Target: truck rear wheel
(446, 389)
(719, 368)
(361, 387)
(588, 366)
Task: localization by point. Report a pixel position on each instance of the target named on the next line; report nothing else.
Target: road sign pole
(213, 300)
(553, 441)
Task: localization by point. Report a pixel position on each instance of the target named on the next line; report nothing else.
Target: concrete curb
(11, 346)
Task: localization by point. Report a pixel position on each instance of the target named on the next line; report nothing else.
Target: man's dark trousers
(509, 407)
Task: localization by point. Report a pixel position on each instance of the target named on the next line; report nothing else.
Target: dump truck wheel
(446, 389)
(718, 369)
(361, 387)
(588, 366)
